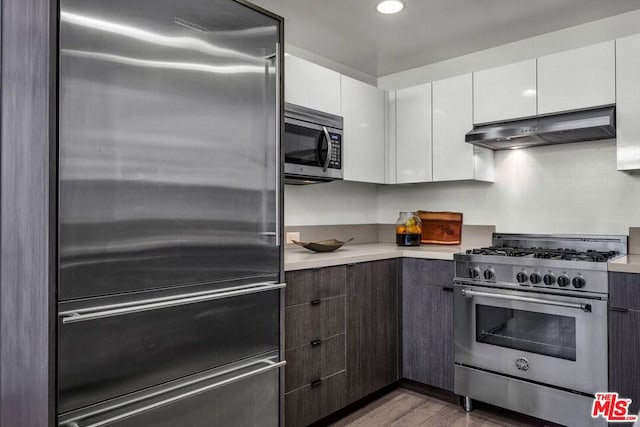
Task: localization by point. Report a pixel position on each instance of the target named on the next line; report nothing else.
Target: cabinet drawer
(314, 284)
(309, 404)
(624, 290)
(310, 362)
(307, 322)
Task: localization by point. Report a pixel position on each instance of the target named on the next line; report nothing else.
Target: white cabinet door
(312, 86)
(413, 134)
(390, 139)
(363, 110)
(576, 79)
(453, 158)
(504, 93)
(628, 102)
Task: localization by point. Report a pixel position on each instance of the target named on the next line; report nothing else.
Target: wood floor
(405, 408)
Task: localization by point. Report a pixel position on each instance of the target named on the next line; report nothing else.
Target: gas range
(555, 263)
(530, 324)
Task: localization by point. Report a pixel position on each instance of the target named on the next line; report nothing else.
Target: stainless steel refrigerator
(170, 260)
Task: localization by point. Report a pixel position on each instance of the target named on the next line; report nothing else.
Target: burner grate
(556, 254)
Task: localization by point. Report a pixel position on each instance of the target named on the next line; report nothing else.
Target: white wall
(573, 188)
(337, 202)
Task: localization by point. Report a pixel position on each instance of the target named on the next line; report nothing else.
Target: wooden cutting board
(441, 228)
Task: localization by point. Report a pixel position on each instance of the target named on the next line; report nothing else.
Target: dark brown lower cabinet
(427, 322)
(315, 401)
(372, 327)
(315, 383)
(624, 355)
(316, 360)
(308, 322)
(624, 337)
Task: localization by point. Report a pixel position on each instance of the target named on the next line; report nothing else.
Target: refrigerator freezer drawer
(108, 351)
(244, 393)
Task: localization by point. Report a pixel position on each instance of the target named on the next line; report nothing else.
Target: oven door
(551, 339)
(312, 150)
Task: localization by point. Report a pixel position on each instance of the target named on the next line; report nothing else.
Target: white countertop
(626, 264)
(297, 258)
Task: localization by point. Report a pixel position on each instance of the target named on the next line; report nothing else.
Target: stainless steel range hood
(583, 125)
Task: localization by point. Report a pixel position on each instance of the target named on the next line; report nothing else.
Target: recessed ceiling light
(390, 6)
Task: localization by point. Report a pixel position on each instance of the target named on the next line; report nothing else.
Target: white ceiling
(353, 33)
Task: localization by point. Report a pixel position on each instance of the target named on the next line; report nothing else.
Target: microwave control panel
(336, 151)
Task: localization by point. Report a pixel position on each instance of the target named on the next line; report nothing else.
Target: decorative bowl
(322, 245)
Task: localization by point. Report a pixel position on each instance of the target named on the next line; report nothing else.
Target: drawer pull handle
(316, 302)
(99, 312)
(315, 343)
(317, 382)
(447, 289)
(620, 309)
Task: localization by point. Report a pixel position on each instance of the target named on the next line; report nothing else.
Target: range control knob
(563, 281)
(489, 274)
(522, 277)
(535, 278)
(549, 279)
(579, 282)
(474, 272)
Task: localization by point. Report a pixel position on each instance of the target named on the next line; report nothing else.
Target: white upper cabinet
(311, 85)
(504, 93)
(390, 138)
(453, 158)
(363, 109)
(413, 134)
(628, 102)
(576, 79)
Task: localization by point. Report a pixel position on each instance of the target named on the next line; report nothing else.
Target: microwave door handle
(329, 149)
(469, 293)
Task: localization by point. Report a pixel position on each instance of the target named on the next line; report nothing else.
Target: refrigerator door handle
(278, 142)
(77, 421)
(92, 313)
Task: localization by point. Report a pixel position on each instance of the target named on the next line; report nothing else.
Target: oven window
(301, 145)
(547, 334)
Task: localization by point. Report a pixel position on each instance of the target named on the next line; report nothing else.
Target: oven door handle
(329, 149)
(469, 293)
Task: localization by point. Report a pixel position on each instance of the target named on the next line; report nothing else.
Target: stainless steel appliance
(312, 144)
(170, 258)
(530, 324)
(574, 126)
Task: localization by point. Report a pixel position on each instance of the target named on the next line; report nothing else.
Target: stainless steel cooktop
(555, 263)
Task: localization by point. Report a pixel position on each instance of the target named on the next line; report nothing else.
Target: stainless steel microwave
(312, 144)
